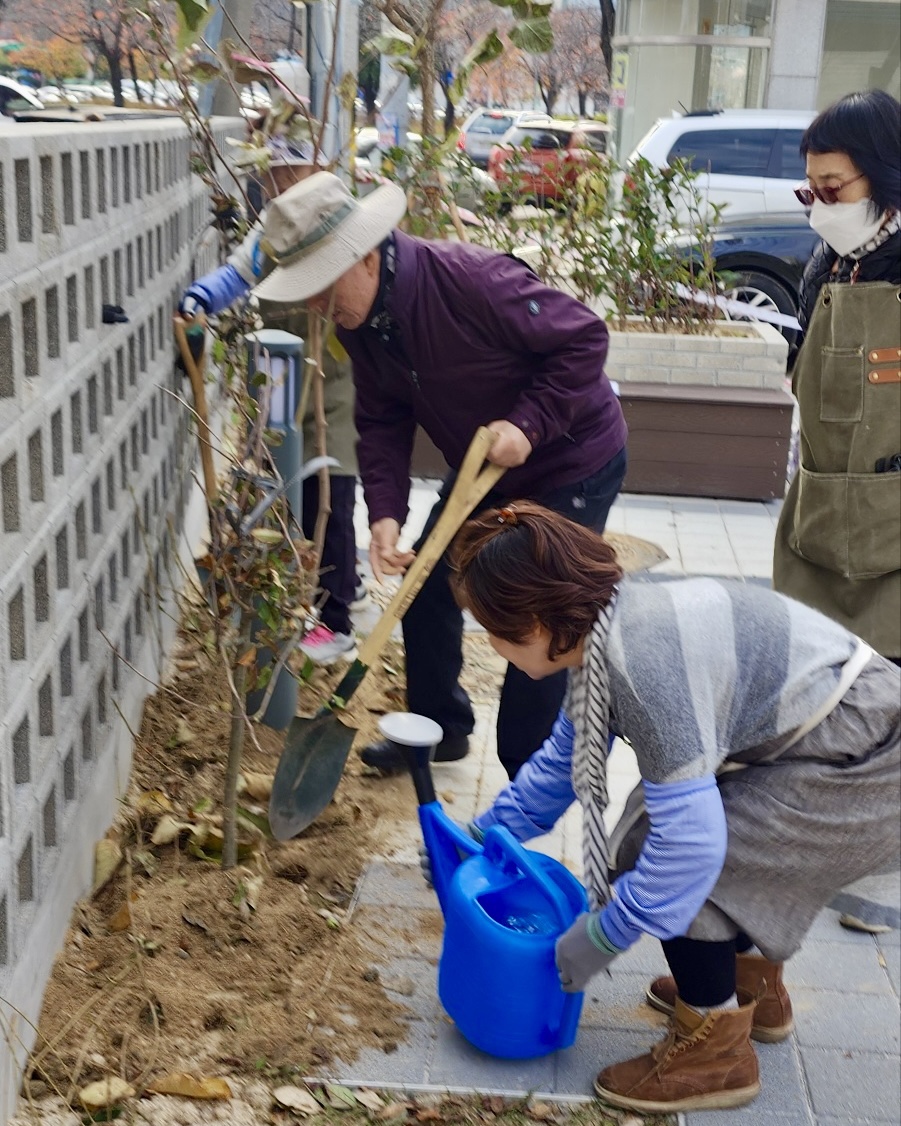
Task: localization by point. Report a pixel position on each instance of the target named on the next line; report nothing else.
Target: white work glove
(583, 951)
(190, 305)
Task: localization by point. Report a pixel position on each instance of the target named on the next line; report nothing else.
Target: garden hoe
(316, 749)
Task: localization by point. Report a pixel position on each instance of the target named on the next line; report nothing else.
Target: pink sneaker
(325, 647)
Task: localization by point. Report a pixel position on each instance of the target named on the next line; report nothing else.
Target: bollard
(279, 356)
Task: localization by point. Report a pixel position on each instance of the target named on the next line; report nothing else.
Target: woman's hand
(384, 557)
(511, 447)
(583, 951)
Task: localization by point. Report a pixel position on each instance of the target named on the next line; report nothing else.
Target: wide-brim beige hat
(316, 231)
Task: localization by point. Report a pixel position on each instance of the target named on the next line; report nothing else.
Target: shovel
(186, 334)
(316, 749)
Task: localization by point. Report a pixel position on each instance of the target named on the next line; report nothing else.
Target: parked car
(763, 258)
(485, 127)
(14, 96)
(539, 161)
(467, 186)
(748, 160)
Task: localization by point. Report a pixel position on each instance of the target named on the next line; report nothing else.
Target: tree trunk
(583, 102)
(133, 67)
(427, 81)
(608, 29)
(114, 64)
(235, 749)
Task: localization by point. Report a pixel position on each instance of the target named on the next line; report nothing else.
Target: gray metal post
(279, 355)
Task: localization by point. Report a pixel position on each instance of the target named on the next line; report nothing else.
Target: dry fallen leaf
(120, 921)
(183, 734)
(104, 1093)
(541, 1111)
(257, 786)
(372, 1100)
(191, 1086)
(107, 857)
(167, 830)
(152, 803)
(393, 1112)
(298, 1099)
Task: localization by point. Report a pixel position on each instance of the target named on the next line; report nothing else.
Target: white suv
(748, 159)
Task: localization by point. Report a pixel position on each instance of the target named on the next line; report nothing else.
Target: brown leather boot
(705, 1063)
(754, 975)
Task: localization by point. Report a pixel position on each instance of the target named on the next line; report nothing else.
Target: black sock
(704, 971)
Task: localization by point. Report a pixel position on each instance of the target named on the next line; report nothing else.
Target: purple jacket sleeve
(541, 792)
(528, 316)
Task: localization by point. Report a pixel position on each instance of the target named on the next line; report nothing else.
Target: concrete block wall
(756, 361)
(97, 497)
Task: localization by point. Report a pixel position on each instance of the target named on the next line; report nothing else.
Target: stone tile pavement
(840, 1067)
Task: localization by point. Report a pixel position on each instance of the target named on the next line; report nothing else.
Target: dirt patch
(177, 965)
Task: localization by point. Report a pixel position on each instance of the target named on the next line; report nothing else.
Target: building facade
(674, 55)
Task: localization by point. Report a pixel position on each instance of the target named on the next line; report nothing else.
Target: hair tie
(507, 516)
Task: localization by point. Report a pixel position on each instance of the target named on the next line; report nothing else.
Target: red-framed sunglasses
(807, 194)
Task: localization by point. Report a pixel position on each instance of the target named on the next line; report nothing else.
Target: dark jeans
(338, 573)
(433, 634)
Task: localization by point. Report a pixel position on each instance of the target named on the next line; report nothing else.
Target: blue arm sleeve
(681, 860)
(218, 290)
(541, 792)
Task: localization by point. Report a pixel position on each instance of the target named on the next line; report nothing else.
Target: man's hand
(583, 951)
(511, 447)
(384, 557)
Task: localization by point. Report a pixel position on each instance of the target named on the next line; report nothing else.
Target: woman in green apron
(838, 544)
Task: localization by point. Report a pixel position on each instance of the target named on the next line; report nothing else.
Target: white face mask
(845, 226)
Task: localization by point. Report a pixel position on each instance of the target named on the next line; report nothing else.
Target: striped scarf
(588, 707)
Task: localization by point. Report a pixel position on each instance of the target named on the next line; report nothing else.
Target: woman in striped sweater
(769, 744)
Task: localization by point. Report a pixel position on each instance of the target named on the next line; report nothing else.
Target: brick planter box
(708, 415)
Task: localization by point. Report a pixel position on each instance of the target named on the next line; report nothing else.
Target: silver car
(484, 128)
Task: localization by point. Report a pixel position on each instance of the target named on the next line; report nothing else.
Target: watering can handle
(502, 849)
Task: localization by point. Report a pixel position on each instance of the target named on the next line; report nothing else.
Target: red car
(540, 161)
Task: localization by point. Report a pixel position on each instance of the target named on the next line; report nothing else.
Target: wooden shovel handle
(204, 434)
(473, 483)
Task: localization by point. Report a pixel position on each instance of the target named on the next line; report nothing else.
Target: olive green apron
(838, 543)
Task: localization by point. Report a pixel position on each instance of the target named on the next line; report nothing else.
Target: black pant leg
(338, 568)
(529, 707)
(704, 971)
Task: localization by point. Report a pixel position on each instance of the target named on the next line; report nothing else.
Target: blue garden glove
(425, 864)
(583, 951)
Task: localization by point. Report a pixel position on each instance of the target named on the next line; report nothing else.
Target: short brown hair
(524, 566)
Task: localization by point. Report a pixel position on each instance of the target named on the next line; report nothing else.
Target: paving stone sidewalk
(840, 1067)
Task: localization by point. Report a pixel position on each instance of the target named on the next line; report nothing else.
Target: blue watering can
(504, 909)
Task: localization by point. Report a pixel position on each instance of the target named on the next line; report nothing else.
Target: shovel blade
(308, 772)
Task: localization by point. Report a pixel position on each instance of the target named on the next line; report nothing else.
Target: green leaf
(339, 1096)
(483, 51)
(527, 10)
(535, 37)
(256, 819)
(405, 66)
(191, 15)
(392, 43)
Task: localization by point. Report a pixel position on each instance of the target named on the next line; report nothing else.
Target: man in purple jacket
(450, 337)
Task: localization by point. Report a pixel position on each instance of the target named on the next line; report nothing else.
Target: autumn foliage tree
(112, 33)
